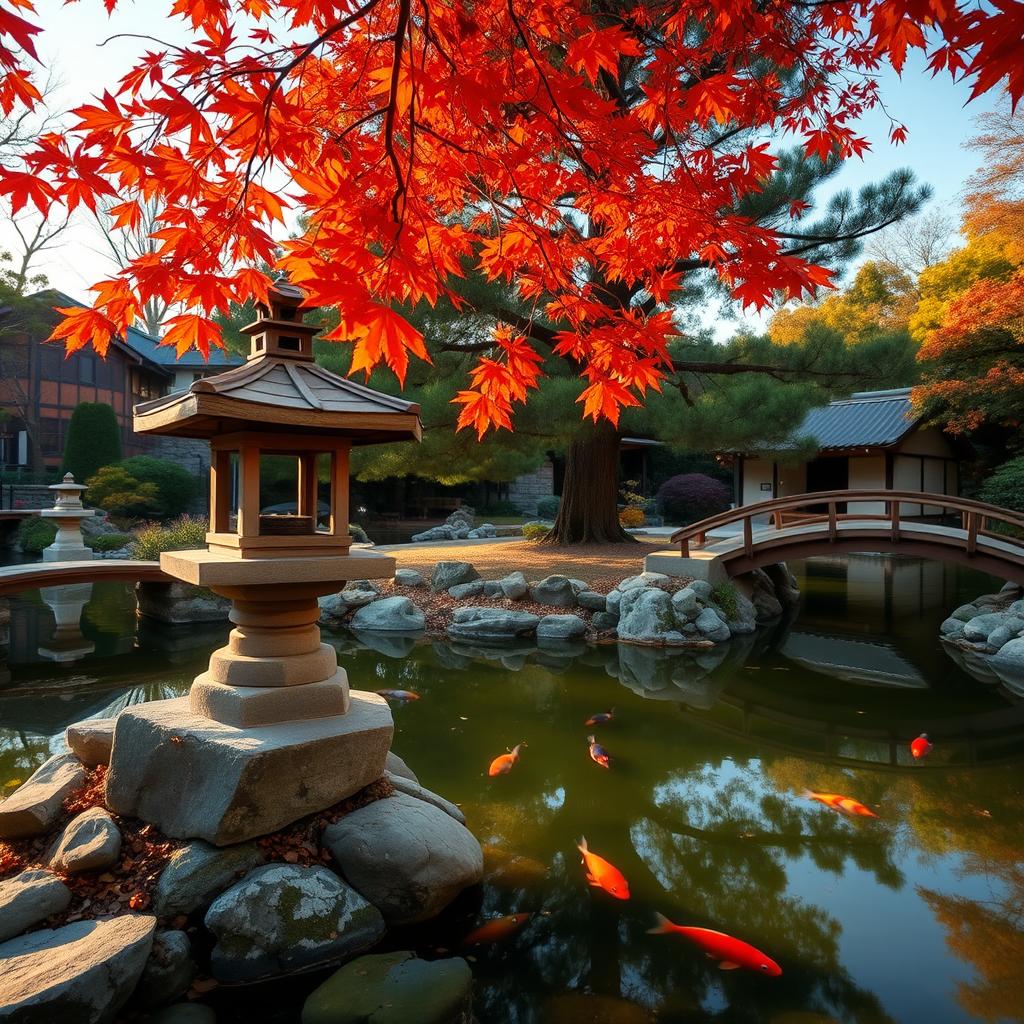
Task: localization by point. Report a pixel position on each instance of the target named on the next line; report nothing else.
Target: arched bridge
(55, 574)
(917, 523)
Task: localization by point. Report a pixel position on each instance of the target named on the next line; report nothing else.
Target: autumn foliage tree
(594, 155)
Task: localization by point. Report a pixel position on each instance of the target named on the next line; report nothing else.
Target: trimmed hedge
(1005, 486)
(93, 440)
(35, 533)
(118, 492)
(692, 496)
(176, 487)
(108, 541)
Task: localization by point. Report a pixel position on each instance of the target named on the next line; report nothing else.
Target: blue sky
(933, 110)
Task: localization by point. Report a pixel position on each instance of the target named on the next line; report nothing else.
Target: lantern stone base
(197, 778)
(247, 707)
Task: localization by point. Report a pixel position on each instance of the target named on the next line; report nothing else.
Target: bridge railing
(977, 518)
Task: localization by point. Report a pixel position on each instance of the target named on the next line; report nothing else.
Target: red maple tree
(593, 152)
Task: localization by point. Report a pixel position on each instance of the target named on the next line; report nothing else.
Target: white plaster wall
(792, 479)
(755, 473)
(906, 476)
(867, 472)
(927, 441)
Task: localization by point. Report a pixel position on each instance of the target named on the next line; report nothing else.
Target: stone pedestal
(67, 644)
(67, 513)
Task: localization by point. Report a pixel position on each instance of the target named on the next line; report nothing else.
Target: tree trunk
(588, 513)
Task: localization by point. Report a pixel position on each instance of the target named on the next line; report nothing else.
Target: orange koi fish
(602, 875)
(598, 754)
(497, 928)
(729, 952)
(844, 804)
(399, 695)
(502, 764)
(921, 747)
(601, 717)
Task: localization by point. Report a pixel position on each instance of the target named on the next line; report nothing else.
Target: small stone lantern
(68, 513)
(273, 700)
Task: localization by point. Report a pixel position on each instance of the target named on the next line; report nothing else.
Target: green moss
(724, 595)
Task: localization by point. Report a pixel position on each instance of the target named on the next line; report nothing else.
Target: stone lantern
(68, 513)
(273, 705)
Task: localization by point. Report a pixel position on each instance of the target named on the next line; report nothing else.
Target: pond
(912, 916)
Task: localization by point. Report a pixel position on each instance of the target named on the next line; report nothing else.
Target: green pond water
(915, 916)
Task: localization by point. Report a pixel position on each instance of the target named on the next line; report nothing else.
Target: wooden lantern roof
(280, 389)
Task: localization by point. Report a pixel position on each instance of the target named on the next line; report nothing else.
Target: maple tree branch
(404, 14)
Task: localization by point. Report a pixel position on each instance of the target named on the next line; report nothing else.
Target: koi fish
(497, 928)
(921, 747)
(598, 754)
(399, 695)
(601, 717)
(502, 764)
(601, 874)
(844, 804)
(729, 952)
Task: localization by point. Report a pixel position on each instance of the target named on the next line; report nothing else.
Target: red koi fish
(602, 875)
(843, 804)
(502, 764)
(399, 695)
(921, 747)
(598, 754)
(729, 952)
(498, 928)
(601, 717)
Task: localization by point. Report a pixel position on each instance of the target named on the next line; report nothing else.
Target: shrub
(176, 486)
(692, 496)
(358, 533)
(93, 440)
(34, 534)
(724, 595)
(535, 531)
(1005, 486)
(547, 508)
(178, 535)
(108, 541)
(118, 492)
(631, 517)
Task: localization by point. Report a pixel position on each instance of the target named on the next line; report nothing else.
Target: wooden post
(748, 537)
(833, 527)
(307, 486)
(249, 491)
(220, 490)
(894, 521)
(972, 532)
(684, 547)
(339, 492)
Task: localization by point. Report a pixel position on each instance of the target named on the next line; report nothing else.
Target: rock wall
(526, 490)
(190, 454)
(986, 636)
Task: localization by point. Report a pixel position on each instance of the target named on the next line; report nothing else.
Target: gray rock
(685, 604)
(604, 620)
(709, 623)
(463, 590)
(409, 578)
(592, 601)
(394, 988)
(434, 533)
(579, 586)
(1017, 608)
(491, 625)
(169, 970)
(447, 574)
(952, 628)
(702, 589)
(1008, 662)
(282, 918)
(396, 766)
(180, 603)
(744, 620)
(35, 806)
(646, 617)
(514, 586)
(1004, 633)
(555, 591)
(644, 579)
(965, 612)
(198, 873)
(335, 607)
(560, 627)
(492, 588)
(90, 842)
(389, 615)
(407, 857)
(980, 626)
(767, 606)
(365, 586)
(29, 898)
(414, 789)
(613, 602)
(184, 1013)
(90, 741)
(81, 973)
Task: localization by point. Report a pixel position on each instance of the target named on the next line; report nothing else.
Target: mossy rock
(394, 988)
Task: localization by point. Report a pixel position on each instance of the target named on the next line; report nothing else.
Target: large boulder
(389, 615)
(514, 586)
(394, 988)
(35, 806)
(90, 741)
(407, 857)
(592, 601)
(711, 626)
(198, 873)
(646, 616)
(180, 603)
(560, 627)
(461, 591)
(409, 578)
(169, 970)
(644, 579)
(449, 574)
(555, 591)
(396, 766)
(29, 898)
(1008, 663)
(90, 842)
(412, 788)
(81, 973)
(282, 918)
(491, 625)
(979, 627)
(1010, 629)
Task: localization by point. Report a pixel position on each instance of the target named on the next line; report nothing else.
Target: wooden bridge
(55, 574)
(916, 523)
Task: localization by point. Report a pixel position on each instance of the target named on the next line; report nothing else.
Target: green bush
(118, 492)
(547, 508)
(535, 531)
(724, 595)
(1005, 486)
(176, 487)
(180, 534)
(108, 541)
(358, 533)
(34, 534)
(93, 440)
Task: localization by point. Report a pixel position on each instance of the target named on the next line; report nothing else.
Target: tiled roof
(867, 419)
